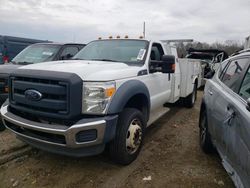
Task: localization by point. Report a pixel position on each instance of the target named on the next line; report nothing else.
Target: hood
(89, 70)
(8, 68)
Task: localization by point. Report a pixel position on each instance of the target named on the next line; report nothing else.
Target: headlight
(97, 96)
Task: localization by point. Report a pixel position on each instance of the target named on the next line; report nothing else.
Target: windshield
(127, 51)
(36, 54)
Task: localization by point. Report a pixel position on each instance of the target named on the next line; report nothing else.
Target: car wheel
(128, 140)
(190, 100)
(205, 138)
(2, 127)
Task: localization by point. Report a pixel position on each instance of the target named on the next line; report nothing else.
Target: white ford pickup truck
(104, 97)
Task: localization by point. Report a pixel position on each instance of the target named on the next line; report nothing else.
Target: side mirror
(248, 104)
(168, 64)
(68, 56)
(210, 74)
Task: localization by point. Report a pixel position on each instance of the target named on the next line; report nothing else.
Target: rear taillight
(5, 59)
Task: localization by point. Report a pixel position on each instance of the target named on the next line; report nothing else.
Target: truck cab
(104, 97)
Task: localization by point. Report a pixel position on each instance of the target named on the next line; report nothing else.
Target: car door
(160, 83)
(220, 94)
(239, 132)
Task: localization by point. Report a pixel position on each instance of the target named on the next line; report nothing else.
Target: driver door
(159, 83)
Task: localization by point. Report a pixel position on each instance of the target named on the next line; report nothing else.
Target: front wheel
(128, 140)
(205, 138)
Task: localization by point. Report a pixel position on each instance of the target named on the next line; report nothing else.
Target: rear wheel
(2, 127)
(190, 100)
(205, 138)
(128, 140)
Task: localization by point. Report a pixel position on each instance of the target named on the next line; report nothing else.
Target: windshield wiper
(24, 63)
(104, 60)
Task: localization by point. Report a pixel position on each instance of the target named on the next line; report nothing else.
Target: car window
(245, 86)
(223, 68)
(71, 50)
(156, 52)
(234, 72)
(37, 53)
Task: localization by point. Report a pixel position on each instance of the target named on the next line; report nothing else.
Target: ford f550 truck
(104, 97)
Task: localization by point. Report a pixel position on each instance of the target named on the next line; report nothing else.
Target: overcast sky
(86, 20)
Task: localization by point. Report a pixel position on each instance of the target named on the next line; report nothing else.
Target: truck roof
(57, 43)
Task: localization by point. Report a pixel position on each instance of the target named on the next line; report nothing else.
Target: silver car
(225, 117)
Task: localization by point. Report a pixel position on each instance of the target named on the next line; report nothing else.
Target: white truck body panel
(190, 70)
(89, 70)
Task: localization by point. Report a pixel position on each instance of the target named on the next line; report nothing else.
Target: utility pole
(144, 29)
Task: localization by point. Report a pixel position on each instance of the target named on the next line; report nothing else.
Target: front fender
(125, 92)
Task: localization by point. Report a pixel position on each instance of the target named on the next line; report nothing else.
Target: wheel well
(196, 82)
(140, 102)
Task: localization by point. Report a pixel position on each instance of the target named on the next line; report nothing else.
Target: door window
(234, 72)
(156, 52)
(245, 86)
(69, 51)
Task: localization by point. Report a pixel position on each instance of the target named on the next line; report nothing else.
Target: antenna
(144, 29)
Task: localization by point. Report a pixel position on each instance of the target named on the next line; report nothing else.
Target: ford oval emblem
(33, 95)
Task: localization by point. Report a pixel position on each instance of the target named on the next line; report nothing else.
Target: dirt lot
(171, 157)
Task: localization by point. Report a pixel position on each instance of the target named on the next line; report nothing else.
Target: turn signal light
(173, 67)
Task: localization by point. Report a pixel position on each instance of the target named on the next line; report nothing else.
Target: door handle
(210, 92)
(231, 115)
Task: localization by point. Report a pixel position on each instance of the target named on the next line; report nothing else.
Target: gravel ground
(171, 157)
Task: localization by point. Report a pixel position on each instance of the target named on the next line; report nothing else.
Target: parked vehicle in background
(105, 97)
(36, 53)
(247, 43)
(210, 59)
(225, 117)
(11, 46)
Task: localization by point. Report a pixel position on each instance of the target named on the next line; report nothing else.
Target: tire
(2, 127)
(125, 147)
(205, 137)
(190, 99)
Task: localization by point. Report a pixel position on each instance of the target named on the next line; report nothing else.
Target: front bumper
(60, 138)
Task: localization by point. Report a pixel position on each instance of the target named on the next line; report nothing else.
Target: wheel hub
(134, 136)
